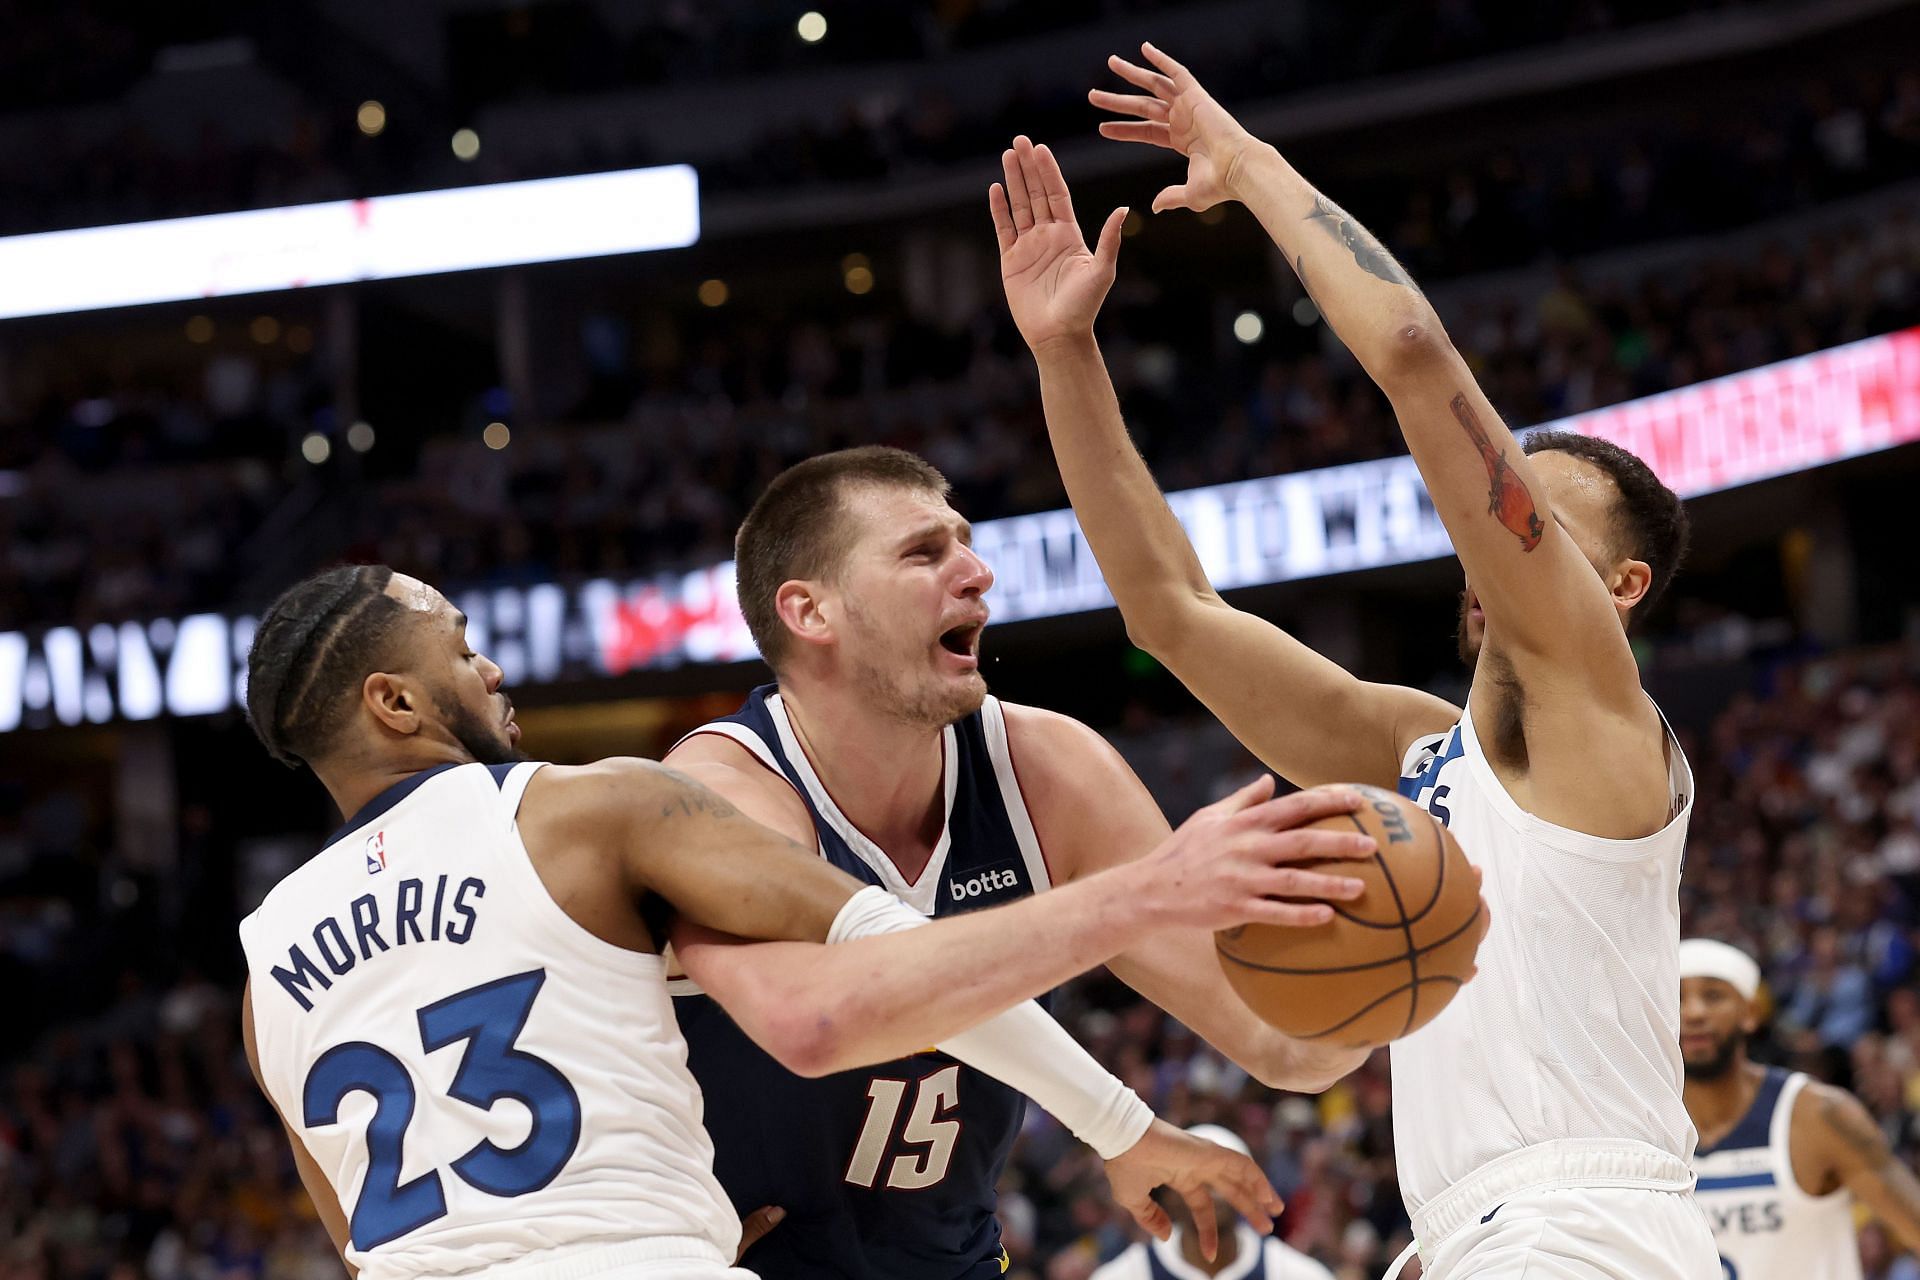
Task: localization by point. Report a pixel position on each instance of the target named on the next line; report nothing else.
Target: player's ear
(1629, 582)
(806, 609)
(393, 701)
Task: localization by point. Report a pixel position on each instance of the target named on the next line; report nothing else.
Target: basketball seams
(1426, 949)
(1412, 956)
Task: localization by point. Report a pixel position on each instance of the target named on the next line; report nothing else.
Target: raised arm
(1276, 695)
(1556, 622)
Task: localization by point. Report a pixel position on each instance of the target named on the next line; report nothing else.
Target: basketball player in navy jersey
(880, 747)
(1782, 1158)
(506, 921)
(1538, 1124)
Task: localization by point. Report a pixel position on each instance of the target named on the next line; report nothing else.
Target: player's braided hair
(1650, 521)
(317, 642)
(797, 528)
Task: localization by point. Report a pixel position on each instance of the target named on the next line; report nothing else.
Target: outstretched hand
(1193, 1169)
(1054, 284)
(1176, 113)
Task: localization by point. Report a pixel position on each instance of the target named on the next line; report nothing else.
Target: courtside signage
(383, 238)
(1750, 426)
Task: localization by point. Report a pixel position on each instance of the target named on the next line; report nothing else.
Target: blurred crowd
(114, 166)
(707, 409)
(133, 1144)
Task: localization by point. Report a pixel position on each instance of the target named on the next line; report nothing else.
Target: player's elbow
(1410, 347)
(1166, 622)
(802, 1037)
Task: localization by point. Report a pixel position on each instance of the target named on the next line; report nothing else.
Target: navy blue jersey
(887, 1172)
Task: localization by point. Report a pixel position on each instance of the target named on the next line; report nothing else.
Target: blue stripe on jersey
(780, 1139)
(1755, 1128)
(385, 801)
(1736, 1183)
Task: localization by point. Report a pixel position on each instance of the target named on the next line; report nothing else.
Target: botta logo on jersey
(984, 884)
(376, 853)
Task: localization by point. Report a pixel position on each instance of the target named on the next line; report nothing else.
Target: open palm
(1054, 283)
(1178, 114)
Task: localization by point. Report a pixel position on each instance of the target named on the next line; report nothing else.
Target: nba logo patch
(376, 853)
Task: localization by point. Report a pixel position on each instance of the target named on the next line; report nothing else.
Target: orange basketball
(1389, 960)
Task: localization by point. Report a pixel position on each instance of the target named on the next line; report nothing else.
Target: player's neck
(355, 785)
(1717, 1105)
(885, 776)
(1229, 1250)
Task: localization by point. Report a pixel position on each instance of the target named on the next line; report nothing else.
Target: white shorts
(656, 1258)
(1583, 1233)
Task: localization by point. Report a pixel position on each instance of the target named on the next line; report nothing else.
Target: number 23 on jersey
(489, 1018)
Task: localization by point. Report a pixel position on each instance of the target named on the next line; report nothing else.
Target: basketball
(1389, 960)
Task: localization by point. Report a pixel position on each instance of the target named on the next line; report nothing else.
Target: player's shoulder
(725, 766)
(1047, 741)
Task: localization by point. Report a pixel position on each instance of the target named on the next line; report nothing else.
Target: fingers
(1153, 82)
(1175, 197)
(1017, 200)
(1106, 250)
(1129, 104)
(1030, 174)
(1152, 1219)
(1287, 915)
(1155, 135)
(1054, 184)
(757, 1224)
(1247, 797)
(1249, 1193)
(1002, 216)
(1312, 844)
(1163, 61)
(1289, 812)
(1200, 1205)
(1290, 882)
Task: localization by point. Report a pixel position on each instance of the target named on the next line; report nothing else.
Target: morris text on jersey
(416, 911)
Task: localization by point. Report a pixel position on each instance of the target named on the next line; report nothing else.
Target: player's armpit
(318, 1189)
(1848, 1142)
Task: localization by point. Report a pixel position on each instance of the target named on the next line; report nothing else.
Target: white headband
(1705, 958)
(1222, 1137)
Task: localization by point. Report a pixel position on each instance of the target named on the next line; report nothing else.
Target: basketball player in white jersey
(459, 1009)
(1243, 1254)
(1538, 1124)
(1782, 1157)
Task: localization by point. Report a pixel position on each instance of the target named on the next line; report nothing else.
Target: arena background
(1608, 200)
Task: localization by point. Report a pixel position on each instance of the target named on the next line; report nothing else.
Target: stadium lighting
(1305, 313)
(360, 437)
(499, 224)
(264, 330)
(1248, 326)
(371, 117)
(812, 26)
(200, 330)
(497, 436)
(714, 293)
(316, 448)
(466, 144)
(1771, 421)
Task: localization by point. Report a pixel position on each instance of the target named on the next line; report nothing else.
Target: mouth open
(963, 641)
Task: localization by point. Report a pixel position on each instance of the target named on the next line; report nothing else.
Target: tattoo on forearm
(1367, 251)
(1507, 496)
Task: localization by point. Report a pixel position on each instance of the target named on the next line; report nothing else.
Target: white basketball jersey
(1766, 1226)
(480, 1078)
(1572, 1028)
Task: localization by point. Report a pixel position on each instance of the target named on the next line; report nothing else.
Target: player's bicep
(1866, 1163)
(1304, 715)
(720, 868)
